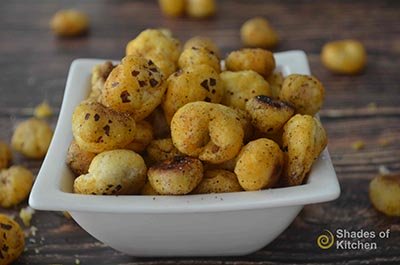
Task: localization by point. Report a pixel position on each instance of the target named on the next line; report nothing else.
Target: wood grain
(34, 67)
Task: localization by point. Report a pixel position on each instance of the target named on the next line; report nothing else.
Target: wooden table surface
(34, 67)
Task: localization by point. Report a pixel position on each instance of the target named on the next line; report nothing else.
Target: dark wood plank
(34, 67)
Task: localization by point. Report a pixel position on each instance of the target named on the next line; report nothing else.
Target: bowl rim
(47, 192)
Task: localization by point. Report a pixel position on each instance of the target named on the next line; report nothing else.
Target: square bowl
(191, 225)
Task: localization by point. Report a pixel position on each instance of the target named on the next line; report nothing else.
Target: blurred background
(32, 57)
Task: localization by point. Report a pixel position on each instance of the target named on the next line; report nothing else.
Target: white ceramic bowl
(192, 225)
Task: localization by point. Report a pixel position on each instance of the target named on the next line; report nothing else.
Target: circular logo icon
(325, 240)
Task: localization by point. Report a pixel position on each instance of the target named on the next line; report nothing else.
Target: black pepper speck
(153, 82)
(205, 84)
(107, 130)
